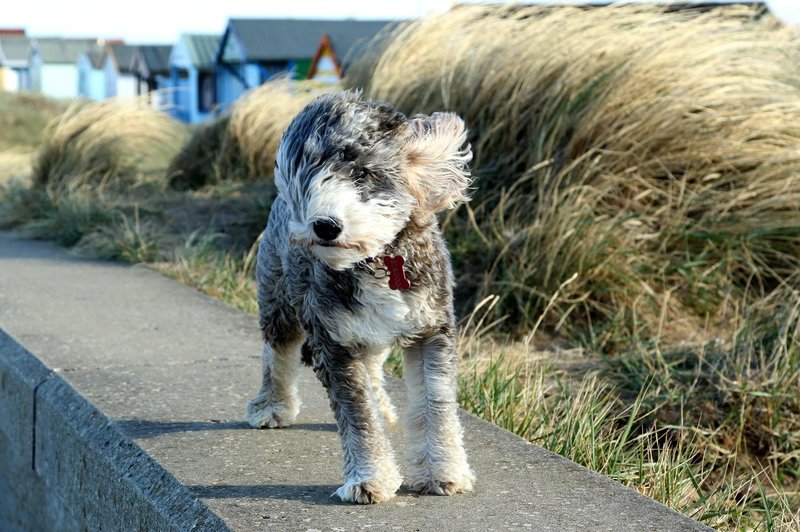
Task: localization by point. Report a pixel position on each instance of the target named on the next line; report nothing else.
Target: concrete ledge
(66, 466)
(139, 424)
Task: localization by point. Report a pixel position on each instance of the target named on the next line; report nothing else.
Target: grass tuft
(107, 143)
(224, 276)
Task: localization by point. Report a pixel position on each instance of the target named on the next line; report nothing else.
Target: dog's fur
(382, 177)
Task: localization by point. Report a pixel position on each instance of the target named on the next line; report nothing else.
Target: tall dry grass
(200, 161)
(242, 146)
(638, 193)
(107, 143)
(23, 116)
(258, 120)
(97, 177)
(654, 154)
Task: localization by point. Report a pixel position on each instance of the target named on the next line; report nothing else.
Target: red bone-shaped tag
(397, 276)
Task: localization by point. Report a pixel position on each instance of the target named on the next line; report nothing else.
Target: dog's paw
(458, 484)
(441, 487)
(367, 491)
(263, 415)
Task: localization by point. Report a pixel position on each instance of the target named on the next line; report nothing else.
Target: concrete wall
(25, 499)
(63, 465)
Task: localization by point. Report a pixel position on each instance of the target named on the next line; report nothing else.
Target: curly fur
(378, 178)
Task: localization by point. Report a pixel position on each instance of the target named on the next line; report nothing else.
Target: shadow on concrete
(313, 427)
(316, 494)
(142, 428)
(319, 495)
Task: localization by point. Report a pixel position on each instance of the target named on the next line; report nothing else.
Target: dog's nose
(327, 228)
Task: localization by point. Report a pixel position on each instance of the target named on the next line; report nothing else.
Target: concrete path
(140, 363)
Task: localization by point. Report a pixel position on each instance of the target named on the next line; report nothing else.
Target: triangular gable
(231, 49)
(138, 64)
(92, 60)
(120, 56)
(325, 65)
(151, 60)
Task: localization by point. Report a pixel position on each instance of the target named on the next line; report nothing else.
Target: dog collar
(393, 268)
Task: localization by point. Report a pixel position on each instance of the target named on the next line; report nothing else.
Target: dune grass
(200, 161)
(627, 269)
(23, 116)
(107, 144)
(97, 173)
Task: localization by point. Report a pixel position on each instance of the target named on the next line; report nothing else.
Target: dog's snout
(327, 228)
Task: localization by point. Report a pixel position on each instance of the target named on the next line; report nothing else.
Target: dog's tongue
(397, 274)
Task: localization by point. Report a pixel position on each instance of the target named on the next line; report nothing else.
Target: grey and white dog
(359, 186)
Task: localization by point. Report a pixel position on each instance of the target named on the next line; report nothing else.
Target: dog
(352, 262)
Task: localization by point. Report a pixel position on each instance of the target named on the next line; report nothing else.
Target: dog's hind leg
(370, 472)
(437, 462)
(376, 373)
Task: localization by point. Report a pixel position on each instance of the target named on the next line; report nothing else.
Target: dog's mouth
(334, 244)
(336, 254)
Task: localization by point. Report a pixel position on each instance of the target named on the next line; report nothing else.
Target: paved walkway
(172, 369)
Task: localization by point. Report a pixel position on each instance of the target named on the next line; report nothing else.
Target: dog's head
(355, 172)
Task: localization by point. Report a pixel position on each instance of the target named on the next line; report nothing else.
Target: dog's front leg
(276, 404)
(436, 458)
(370, 472)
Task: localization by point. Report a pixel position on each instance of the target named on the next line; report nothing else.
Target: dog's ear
(437, 161)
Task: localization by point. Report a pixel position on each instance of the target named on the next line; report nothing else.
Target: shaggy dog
(352, 262)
